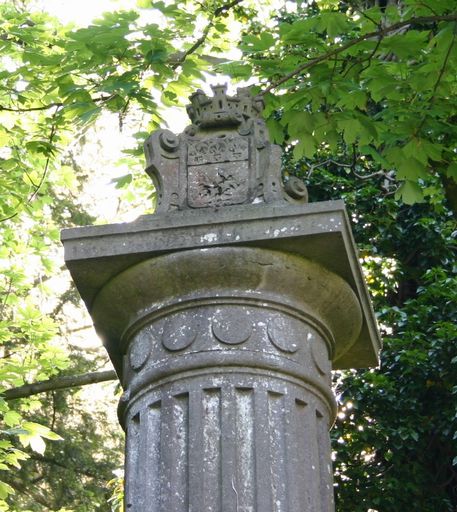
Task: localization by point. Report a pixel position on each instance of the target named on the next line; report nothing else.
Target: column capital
(244, 278)
(315, 232)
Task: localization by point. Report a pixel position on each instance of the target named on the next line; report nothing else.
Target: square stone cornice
(317, 231)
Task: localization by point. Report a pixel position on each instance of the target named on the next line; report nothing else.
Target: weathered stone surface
(223, 315)
(235, 345)
(317, 231)
(234, 276)
(224, 158)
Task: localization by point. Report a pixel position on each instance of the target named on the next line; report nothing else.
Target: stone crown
(223, 110)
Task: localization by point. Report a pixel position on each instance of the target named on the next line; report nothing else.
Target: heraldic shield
(223, 158)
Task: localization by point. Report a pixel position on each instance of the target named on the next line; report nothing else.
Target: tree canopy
(362, 97)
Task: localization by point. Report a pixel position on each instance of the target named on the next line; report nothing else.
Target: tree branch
(21, 487)
(444, 65)
(31, 109)
(68, 381)
(182, 56)
(7, 294)
(48, 159)
(368, 176)
(370, 35)
(70, 467)
(226, 7)
(50, 105)
(438, 81)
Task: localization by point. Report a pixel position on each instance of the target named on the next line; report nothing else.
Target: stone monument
(223, 315)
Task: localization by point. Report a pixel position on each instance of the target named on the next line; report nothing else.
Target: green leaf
(305, 147)
(451, 171)
(334, 23)
(410, 193)
(156, 55)
(5, 490)
(37, 444)
(122, 181)
(40, 430)
(351, 130)
(236, 69)
(275, 130)
(4, 137)
(299, 32)
(407, 44)
(411, 169)
(332, 139)
(257, 43)
(12, 418)
(423, 150)
(298, 123)
(356, 98)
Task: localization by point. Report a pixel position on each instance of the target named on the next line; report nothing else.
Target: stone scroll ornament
(223, 158)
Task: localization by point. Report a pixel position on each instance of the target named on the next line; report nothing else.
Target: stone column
(228, 376)
(223, 325)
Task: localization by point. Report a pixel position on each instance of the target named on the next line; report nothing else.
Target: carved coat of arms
(223, 158)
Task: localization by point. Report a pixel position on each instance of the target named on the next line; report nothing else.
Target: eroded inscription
(218, 184)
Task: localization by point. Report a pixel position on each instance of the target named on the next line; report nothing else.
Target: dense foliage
(382, 78)
(395, 436)
(362, 96)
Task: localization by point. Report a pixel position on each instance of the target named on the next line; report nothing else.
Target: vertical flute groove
(228, 455)
(150, 455)
(212, 464)
(326, 479)
(131, 462)
(262, 451)
(295, 456)
(277, 451)
(174, 454)
(195, 451)
(312, 474)
(245, 450)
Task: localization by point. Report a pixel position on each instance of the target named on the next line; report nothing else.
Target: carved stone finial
(223, 110)
(223, 158)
